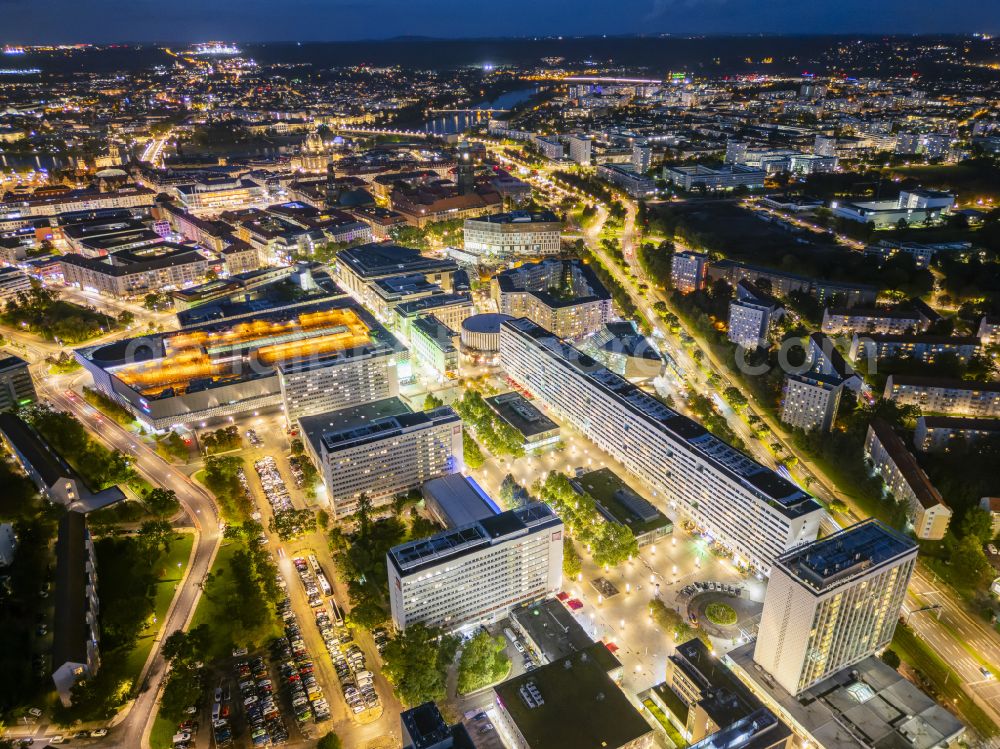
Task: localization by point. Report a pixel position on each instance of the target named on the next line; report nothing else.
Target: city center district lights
(401, 369)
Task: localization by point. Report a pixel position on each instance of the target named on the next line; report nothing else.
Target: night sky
(33, 21)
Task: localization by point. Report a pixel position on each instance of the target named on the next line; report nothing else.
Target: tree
(572, 564)
(614, 544)
(155, 534)
(969, 562)
(978, 524)
(330, 741)
(416, 661)
(484, 661)
(734, 396)
(891, 658)
(432, 401)
(161, 502)
(364, 516)
(474, 458)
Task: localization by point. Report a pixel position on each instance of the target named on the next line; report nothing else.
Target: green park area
(41, 312)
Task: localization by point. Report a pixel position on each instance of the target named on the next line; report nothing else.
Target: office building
(129, 273)
(571, 702)
(921, 253)
(687, 271)
(746, 507)
(620, 347)
(989, 331)
(12, 282)
(833, 603)
(381, 449)
(52, 476)
(810, 400)
(424, 728)
(451, 310)
(434, 345)
(625, 176)
(703, 699)
(358, 267)
(510, 236)
(480, 336)
(945, 396)
(992, 506)
(701, 177)
(941, 433)
(580, 149)
(8, 544)
(305, 358)
(213, 195)
(618, 503)
(564, 296)
(921, 348)
(906, 481)
(751, 313)
(16, 386)
(550, 148)
(475, 574)
(76, 638)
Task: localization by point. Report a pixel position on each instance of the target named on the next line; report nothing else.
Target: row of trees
(222, 440)
(98, 466)
(222, 479)
(609, 543)
(499, 437)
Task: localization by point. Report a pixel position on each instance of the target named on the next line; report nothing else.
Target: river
(459, 122)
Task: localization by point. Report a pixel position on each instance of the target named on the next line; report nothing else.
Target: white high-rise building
(580, 148)
(642, 158)
(744, 505)
(476, 573)
(833, 603)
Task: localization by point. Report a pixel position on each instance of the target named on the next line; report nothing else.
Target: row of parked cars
(297, 670)
(712, 587)
(260, 704)
(274, 486)
(356, 682)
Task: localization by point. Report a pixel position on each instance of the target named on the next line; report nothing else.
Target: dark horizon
(258, 21)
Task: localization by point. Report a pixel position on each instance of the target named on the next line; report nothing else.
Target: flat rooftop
(781, 494)
(414, 556)
(314, 427)
(458, 500)
(840, 558)
(521, 414)
(578, 706)
(866, 706)
(377, 260)
(552, 628)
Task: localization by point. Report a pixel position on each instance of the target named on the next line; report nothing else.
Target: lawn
(212, 609)
(944, 683)
(672, 733)
(160, 737)
(721, 614)
(170, 568)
